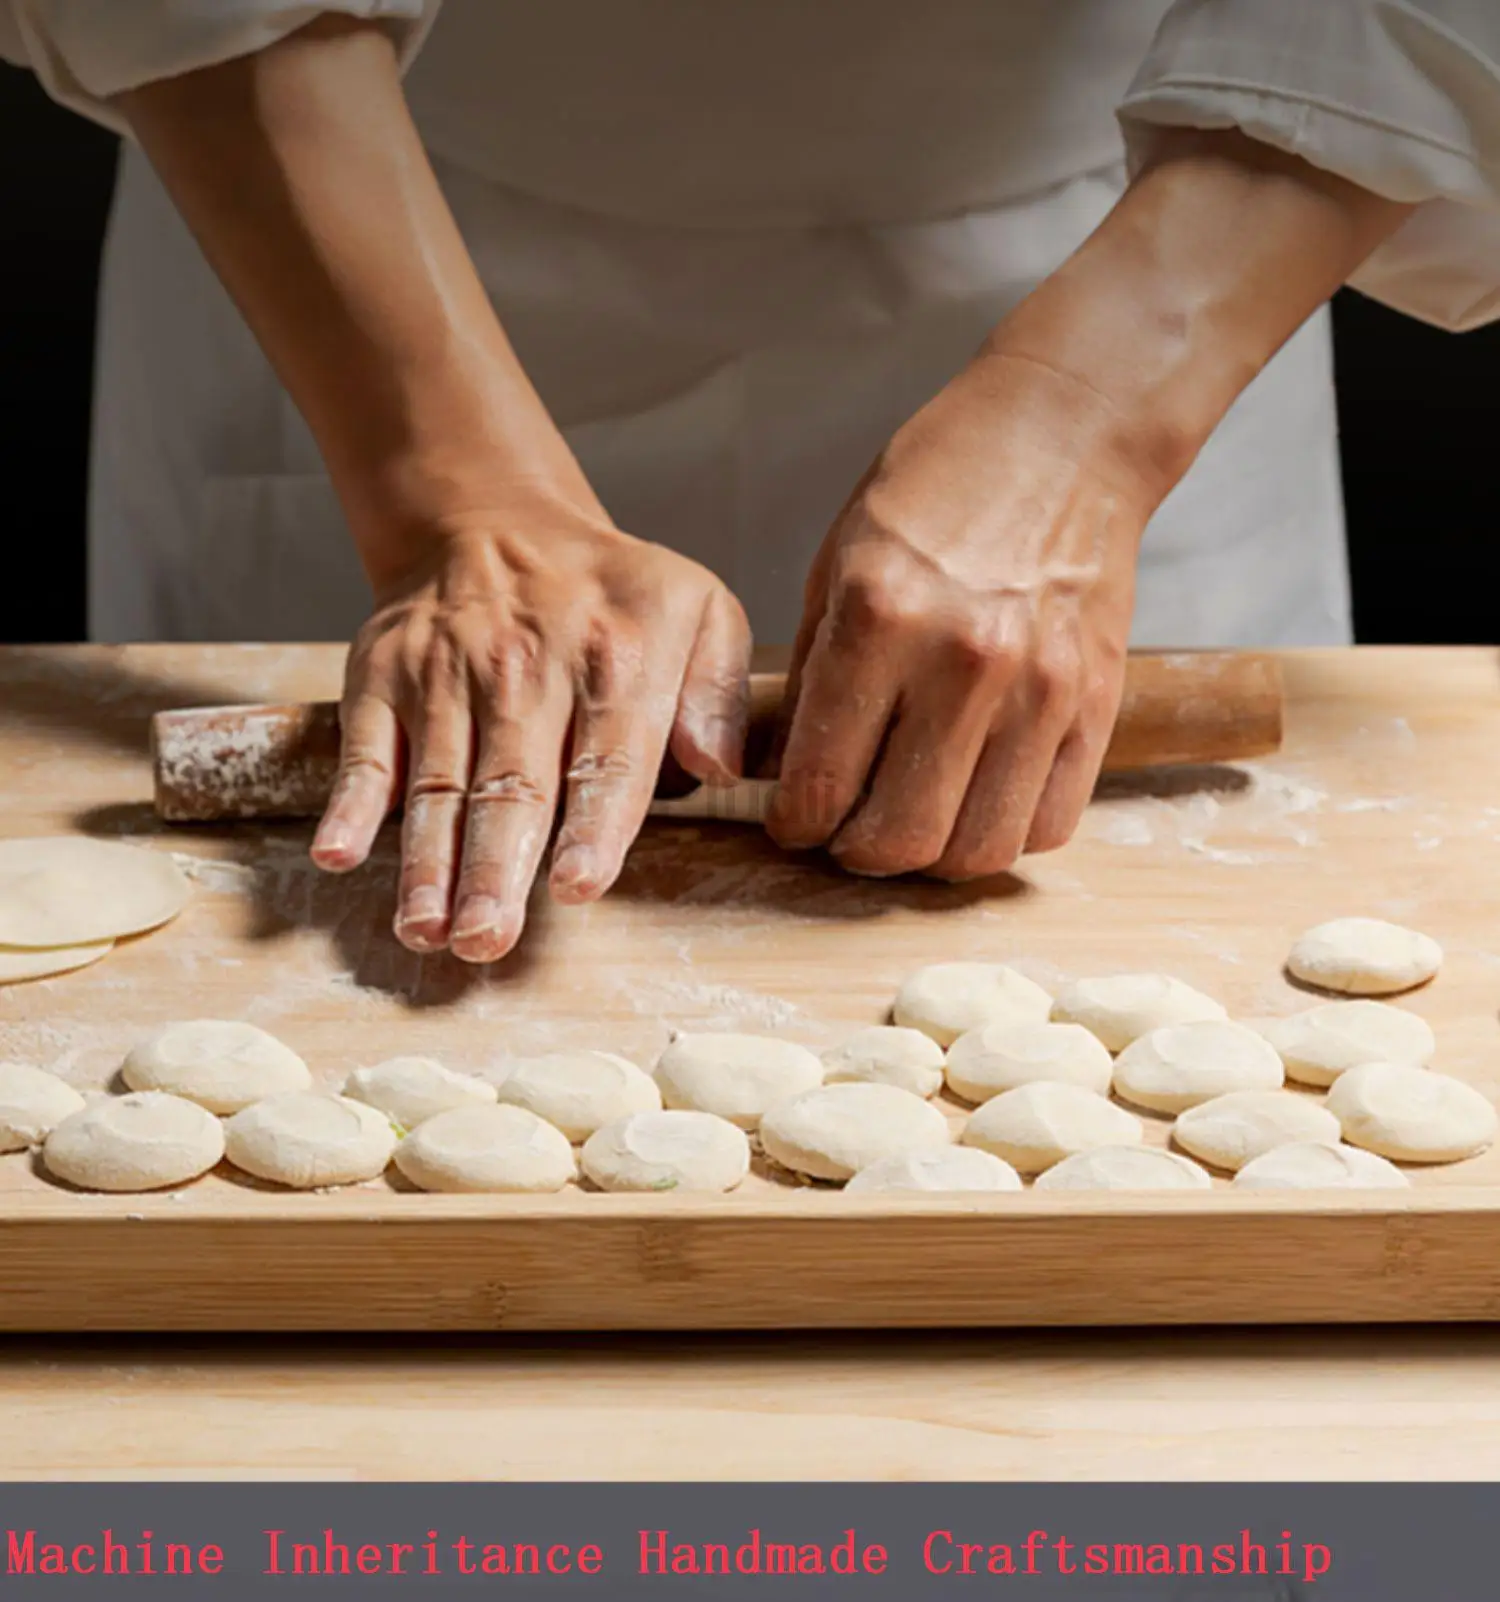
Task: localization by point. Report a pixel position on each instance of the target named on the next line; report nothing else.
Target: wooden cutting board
(1383, 802)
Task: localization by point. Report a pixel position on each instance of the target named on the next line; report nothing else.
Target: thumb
(713, 705)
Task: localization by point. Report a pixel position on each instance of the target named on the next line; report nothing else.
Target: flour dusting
(1273, 803)
(1287, 793)
(1125, 829)
(218, 876)
(716, 1006)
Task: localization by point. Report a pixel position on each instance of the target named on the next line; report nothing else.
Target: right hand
(523, 664)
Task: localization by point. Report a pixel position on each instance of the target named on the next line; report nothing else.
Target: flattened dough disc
(42, 962)
(67, 890)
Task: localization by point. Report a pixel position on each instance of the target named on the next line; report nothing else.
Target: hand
(961, 657)
(520, 647)
(516, 631)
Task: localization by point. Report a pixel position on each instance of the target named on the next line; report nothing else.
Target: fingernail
(424, 906)
(426, 902)
(477, 915)
(339, 857)
(574, 870)
(488, 944)
(331, 837)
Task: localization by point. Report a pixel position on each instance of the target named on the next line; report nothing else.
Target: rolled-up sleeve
(1399, 96)
(88, 51)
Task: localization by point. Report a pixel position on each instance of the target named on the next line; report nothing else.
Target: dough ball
(1122, 1007)
(308, 1141)
(1321, 1166)
(486, 1148)
(1125, 1168)
(674, 1150)
(580, 1091)
(1232, 1130)
(72, 891)
(834, 1131)
(18, 963)
(887, 1055)
(999, 1057)
(953, 1168)
(734, 1076)
(32, 1104)
(1182, 1065)
(948, 999)
(1364, 957)
(221, 1066)
(410, 1090)
(1412, 1114)
(1322, 1042)
(144, 1141)
(1037, 1125)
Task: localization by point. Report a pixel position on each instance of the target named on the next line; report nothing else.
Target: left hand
(961, 656)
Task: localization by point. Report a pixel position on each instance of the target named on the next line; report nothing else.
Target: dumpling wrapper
(18, 963)
(67, 890)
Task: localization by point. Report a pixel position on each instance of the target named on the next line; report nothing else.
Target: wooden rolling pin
(215, 764)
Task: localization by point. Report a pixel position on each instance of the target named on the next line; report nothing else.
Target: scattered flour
(1392, 733)
(218, 876)
(712, 1006)
(1125, 829)
(1288, 793)
(1227, 858)
(1262, 801)
(84, 1054)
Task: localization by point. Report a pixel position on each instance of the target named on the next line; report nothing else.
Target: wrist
(406, 511)
(446, 460)
(1094, 410)
(1217, 253)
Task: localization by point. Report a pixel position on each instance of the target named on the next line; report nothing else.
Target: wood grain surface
(1200, 1405)
(1382, 802)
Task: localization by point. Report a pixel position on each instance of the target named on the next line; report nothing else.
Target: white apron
(734, 254)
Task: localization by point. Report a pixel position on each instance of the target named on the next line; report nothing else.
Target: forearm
(302, 176)
(1219, 251)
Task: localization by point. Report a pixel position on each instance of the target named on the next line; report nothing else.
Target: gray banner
(1119, 1543)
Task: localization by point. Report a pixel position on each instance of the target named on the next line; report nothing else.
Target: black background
(1420, 413)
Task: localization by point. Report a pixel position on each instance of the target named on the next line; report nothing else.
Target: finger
(523, 726)
(622, 722)
(713, 705)
(1066, 792)
(441, 735)
(365, 788)
(844, 705)
(993, 824)
(1080, 756)
(919, 783)
(814, 608)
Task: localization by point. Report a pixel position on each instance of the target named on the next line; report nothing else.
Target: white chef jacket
(737, 245)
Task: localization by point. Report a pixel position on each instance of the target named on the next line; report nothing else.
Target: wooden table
(1266, 1404)
(1368, 804)
(1383, 802)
